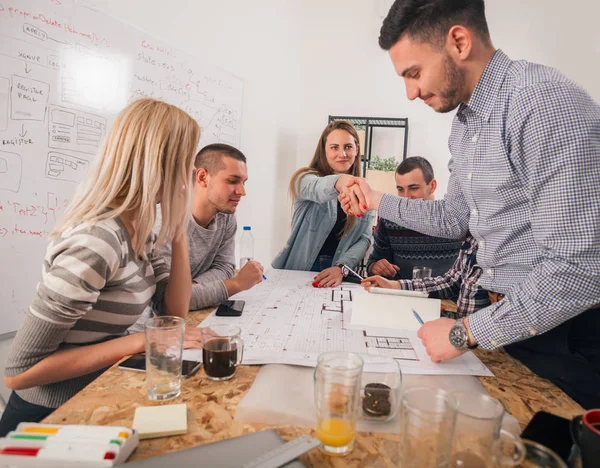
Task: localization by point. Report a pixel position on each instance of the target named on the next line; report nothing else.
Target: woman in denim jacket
(323, 238)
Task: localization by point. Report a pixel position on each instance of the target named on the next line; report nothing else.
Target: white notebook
(391, 311)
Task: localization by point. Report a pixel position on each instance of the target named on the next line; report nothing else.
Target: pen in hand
(418, 317)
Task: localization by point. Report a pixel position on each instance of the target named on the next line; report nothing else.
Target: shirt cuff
(407, 285)
(486, 333)
(389, 207)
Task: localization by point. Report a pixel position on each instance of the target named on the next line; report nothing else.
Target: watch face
(458, 337)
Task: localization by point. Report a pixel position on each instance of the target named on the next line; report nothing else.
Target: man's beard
(455, 81)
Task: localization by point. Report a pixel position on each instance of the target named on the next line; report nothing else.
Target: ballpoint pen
(346, 269)
(418, 317)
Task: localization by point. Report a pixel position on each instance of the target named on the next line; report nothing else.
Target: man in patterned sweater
(396, 250)
(460, 282)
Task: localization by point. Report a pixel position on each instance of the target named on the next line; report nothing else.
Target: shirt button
(494, 342)
(482, 244)
(474, 211)
(489, 271)
(475, 138)
(470, 175)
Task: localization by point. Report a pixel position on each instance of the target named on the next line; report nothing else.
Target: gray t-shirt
(212, 258)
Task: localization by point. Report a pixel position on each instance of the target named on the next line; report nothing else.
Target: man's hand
(330, 277)
(384, 268)
(380, 282)
(250, 275)
(435, 336)
(359, 197)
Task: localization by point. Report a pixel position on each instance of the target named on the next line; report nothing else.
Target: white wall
(302, 60)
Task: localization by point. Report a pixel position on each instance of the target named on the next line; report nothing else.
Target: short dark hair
(416, 162)
(430, 20)
(210, 158)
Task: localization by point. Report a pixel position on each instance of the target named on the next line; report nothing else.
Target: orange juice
(335, 432)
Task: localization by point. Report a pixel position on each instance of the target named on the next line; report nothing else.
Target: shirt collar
(488, 87)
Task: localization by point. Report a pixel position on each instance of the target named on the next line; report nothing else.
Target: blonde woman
(100, 269)
(323, 238)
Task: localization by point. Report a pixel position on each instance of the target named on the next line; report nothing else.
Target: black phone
(230, 308)
(551, 431)
(137, 362)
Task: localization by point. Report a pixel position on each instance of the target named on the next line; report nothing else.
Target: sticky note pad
(160, 421)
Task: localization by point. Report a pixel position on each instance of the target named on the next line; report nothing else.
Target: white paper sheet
(391, 311)
(284, 395)
(287, 321)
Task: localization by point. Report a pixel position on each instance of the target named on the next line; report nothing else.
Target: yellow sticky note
(160, 421)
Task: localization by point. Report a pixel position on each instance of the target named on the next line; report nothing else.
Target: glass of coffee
(222, 351)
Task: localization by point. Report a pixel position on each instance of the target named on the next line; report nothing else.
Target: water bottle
(246, 246)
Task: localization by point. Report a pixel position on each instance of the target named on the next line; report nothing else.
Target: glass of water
(164, 350)
(420, 272)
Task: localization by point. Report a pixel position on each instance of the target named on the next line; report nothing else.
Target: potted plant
(380, 174)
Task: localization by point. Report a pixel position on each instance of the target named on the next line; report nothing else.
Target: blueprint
(288, 321)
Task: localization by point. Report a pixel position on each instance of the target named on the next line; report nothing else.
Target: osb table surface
(112, 398)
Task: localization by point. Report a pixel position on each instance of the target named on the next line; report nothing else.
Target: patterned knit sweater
(406, 249)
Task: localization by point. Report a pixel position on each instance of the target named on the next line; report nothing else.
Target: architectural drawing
(287, 321)
(75, 130)
(4, 100)
(294, 323)
(29, 98)
(60, 166)
(11, 169)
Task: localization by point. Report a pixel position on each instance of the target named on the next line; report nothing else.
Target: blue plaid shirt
(525, 180)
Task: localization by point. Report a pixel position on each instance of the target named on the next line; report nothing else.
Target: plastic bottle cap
(247, 228)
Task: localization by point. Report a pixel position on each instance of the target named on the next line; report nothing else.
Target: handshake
(356, 195)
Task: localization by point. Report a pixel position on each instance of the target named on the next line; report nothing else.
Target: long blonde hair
(320, 166)
(147, 157)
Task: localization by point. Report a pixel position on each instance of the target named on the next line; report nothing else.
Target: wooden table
(112, 398)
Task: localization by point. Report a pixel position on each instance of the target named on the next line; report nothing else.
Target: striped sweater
(93, 288)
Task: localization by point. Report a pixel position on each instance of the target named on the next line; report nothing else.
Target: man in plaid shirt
(459, 281)
(524, 180)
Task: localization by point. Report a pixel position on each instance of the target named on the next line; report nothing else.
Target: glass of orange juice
(337, 396)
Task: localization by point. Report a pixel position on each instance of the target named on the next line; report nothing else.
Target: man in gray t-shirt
(219, 178)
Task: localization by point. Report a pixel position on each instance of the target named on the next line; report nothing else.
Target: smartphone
(137, 362)
(551, 431)
(230, 308)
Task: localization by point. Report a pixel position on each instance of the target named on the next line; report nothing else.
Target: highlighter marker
(66, 445)
(61, 453)
(74, 430)
(83, 439)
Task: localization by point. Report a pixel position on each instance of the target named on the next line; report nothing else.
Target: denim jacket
(315, 214)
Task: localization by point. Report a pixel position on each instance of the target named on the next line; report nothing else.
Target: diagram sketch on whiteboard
(11, 169)
(28, 98)
(75, 130)
(61, 166)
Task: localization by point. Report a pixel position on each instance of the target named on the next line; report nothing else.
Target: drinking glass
(420, 272)
(222, 351)
(478, 424)
(337, 395)
(381, 388)
(426, 428)
(522, 453)
(164, 349)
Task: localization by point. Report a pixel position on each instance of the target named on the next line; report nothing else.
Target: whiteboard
(65, 71)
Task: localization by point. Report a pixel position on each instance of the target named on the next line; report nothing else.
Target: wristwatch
(341, 266)
(459, 337)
